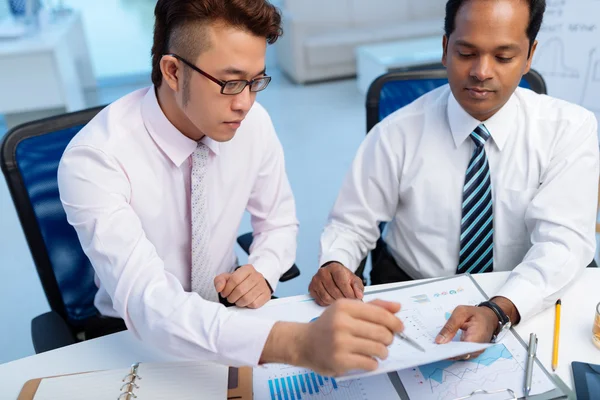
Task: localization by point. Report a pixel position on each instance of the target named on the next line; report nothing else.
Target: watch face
(502, 333)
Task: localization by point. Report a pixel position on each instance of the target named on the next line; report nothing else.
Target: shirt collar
(171, 141)
(499, 125)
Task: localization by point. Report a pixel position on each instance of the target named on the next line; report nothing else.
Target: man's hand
(334, 282)
(477, 323)
(349, 335)
(245, 287)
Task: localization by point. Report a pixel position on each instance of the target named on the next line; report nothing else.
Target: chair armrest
(291, 273)
(245, 241)
(49, 331)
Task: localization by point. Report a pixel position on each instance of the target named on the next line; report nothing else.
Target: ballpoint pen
(530, 358)
(410, 341)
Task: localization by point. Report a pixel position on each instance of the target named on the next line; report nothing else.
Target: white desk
(120, 350)
(378, 59)
(47, 69)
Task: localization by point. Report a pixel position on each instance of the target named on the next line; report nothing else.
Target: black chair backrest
(395, 90)
(29, 156)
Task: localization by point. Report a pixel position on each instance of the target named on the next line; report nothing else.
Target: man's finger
(388, 305)
(357, 361)
(220, 281)
(248, 298)
(368, 348)
(379, 312)
(313, 293)
(237, 277)
(358, 287)
(260, 301)
(244, 288)
(454, 323)
(323, 294)
(373, 332)
(332, 288)
(343, 279)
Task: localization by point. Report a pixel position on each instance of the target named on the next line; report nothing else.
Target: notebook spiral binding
(130, 384)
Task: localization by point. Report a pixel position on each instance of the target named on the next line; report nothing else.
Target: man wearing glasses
(156, 186)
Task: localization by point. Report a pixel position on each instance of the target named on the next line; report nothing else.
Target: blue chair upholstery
(395, 90)
(30, 155)
(37, 159)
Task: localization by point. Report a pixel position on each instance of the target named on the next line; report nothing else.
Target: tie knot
(480, 135)
(200, 156)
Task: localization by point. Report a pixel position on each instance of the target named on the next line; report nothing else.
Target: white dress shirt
(124, 182)
(410, 170)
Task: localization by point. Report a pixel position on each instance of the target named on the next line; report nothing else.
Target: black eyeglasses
(232, 87)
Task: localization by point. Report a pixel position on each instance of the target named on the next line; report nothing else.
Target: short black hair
(536, 17)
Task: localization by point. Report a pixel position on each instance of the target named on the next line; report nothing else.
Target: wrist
(284, 344)
(509, 309)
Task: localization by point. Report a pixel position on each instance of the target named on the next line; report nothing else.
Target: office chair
(396, 89)
(29, 157)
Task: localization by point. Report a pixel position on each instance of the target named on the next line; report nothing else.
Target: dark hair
(173, 18)
(536, 17)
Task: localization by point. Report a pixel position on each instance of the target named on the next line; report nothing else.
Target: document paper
(425, 375)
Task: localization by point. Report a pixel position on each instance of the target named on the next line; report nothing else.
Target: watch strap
(502, 317)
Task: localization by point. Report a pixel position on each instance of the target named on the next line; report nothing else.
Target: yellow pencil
(556, 335)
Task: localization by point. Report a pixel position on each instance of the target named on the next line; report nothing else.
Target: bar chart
(283, 382)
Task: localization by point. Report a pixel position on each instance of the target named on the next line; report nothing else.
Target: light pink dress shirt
(124, 182)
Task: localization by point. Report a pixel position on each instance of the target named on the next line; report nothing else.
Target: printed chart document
(423, 375)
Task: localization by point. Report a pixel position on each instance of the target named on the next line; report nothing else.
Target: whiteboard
(568, 53)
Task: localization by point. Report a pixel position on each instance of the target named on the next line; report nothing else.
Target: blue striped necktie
(477, 224)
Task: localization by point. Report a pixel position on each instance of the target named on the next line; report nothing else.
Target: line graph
(498, 367)
(435, 372)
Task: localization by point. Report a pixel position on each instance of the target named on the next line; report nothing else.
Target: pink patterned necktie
(202, 274)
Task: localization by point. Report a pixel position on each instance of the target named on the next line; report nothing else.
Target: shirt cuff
(270, 270)
(243, 338)
(339, 256)
(523, 294)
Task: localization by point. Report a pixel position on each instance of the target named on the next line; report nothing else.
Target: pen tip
(553, 369)
(558, 302)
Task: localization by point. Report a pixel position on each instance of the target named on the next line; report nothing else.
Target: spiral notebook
(143, 381)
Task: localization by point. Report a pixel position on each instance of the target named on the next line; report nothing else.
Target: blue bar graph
(310, 391)
(271, 389)
(277, 387)
(289, 382)
(314, 381)
(297, 387)
(301, 386)
(301, 379)
(284, 389)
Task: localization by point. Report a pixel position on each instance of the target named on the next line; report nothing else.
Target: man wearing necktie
(476, 176)
(156, 186)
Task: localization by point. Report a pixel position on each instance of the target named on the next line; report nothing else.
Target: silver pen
(530, 358)
(410, 341)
